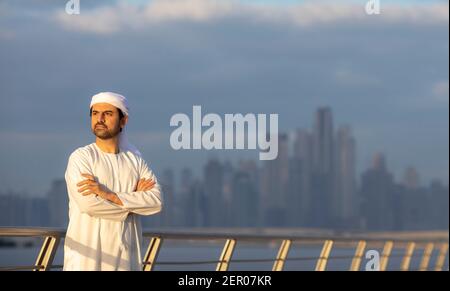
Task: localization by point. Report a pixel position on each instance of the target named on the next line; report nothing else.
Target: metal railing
(430, 242)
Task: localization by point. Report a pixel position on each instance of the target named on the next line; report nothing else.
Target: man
(109, 186)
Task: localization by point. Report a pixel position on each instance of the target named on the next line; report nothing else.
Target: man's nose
(101, 118)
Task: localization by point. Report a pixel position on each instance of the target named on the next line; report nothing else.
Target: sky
(385, 75)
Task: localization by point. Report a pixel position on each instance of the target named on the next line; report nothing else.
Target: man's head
(107, 121)
(109, 115)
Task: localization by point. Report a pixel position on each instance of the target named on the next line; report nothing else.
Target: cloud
(111, 19)
(194, 10)
(229, 58)
(104, 20)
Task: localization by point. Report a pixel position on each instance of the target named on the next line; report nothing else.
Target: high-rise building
(296, 210)
(412, 208)
(186, 180)
(250, 168)
(13, 209)
(274, 185)
(323, 144)
(439, 194)
(196, 206)
(245, 200)
(213, 187)
(345, 201)
(411, 178)
(227, 193)
(36, 212)
(299, 206)
(323, 169)
(377, 191)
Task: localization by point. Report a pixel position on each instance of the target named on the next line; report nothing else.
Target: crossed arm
(96, 200)
(91, 187)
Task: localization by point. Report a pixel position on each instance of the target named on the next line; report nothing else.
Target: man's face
(105, 121)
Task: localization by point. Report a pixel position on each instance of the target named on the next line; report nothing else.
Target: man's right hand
(145, 185)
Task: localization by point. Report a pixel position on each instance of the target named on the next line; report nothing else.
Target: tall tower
(377, 191)
(323, 168)
(299, 207)
(346, 200)
(274, 185)
(323, 141)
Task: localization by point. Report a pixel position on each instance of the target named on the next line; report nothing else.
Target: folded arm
(143, 202)
(93, 205)
(91, 187)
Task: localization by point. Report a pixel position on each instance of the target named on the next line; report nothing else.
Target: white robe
(102, 235)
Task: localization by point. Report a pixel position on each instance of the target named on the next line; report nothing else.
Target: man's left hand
(90, 186)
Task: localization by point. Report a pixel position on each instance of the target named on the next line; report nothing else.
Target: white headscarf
(120, 102)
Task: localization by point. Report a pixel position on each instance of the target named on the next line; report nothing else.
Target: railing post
(152, 253)
(426, 257)
(441, 257)
(281, 256)
(227, 253)
(387, 249)
(407, 258)
(356, 262)
(47, 254)
(323, 259)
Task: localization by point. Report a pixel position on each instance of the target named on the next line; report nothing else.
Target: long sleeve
(143, 202)
(90, 204)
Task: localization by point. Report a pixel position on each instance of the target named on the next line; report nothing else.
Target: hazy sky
(386, 75)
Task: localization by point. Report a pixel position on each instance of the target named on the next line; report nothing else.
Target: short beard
(105, 134)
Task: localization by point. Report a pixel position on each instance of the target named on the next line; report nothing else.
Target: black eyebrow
(107, 111)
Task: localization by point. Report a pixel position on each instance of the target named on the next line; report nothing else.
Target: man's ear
(124, 121)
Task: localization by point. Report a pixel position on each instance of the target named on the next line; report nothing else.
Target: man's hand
(90, 186)
(145, 185)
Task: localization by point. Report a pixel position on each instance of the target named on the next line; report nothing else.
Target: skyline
(295, 145)
(287, 192)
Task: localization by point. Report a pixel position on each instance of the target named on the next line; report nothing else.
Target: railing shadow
(430, 243)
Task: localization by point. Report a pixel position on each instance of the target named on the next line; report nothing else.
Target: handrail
(409, 241)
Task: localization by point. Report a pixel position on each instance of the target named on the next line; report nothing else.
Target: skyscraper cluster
(313, 183)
